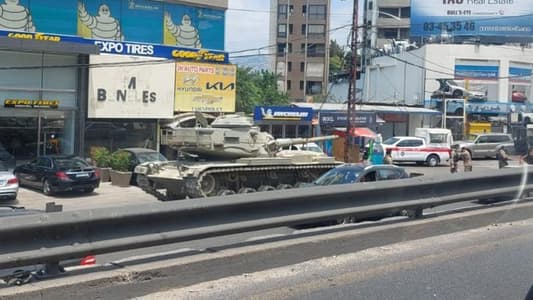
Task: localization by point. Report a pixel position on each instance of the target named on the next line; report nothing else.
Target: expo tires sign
(512, 19)
(138, 88)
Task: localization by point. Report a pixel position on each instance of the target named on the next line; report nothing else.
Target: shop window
(304, 131)
(120, 134)
(265, 128)
(277, 131)
(290, 131)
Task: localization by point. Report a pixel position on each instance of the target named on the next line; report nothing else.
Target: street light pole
(305, 50)
(352, 93)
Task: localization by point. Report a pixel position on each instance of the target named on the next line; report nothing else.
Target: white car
(415, 149)
(9, 186)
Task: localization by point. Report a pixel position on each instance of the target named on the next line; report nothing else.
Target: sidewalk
(106, 195)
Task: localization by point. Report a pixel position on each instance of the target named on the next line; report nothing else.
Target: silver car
(9, 186)
(487, 144)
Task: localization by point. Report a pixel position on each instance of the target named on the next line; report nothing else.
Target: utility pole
(287, 25)
(352, 92)
(306, 45)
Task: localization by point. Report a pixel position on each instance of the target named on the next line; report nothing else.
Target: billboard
(143, 21)
(205, 87)
(135, 91)
(283, 113)
(512, 19)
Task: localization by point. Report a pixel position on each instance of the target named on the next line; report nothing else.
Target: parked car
(518, 96)
(450, 89)
(416, 149)
(140, 156)
(58, 173)
(9, 186)
(354, 173)
(487, 144)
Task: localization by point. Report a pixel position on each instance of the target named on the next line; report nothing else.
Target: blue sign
(476, 72)
(283, 113)
(141, 21)
(509, 19)
(339, 119)
(127, 48)
(519, 74)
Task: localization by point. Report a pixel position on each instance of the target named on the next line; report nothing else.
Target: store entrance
(26, 134)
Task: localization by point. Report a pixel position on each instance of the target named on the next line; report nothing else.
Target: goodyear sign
(205, 87)
(28, 103)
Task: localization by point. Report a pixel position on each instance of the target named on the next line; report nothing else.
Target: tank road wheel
(265, 188)
(284, 186)
(246, 190)
(208, 185)
(226, 192)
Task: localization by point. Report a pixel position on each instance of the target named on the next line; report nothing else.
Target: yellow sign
(201, 54)
(205, 87)
(31, 103)
(34, 36)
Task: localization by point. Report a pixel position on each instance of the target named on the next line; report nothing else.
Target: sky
(247, 23)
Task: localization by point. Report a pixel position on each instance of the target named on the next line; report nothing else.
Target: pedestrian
(467, 159)
(387, 160)
(454, 160)
(528, 157)
(502, 157)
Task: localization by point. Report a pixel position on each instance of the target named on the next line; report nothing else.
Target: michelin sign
(283, 113)
(512, 19)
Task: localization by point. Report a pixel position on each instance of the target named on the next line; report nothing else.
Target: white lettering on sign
(292, 114)
(124, 48)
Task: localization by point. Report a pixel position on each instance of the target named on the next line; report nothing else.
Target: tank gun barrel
(276, 144)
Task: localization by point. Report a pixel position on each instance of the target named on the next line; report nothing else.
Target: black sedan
(352, 173)
(58, 173)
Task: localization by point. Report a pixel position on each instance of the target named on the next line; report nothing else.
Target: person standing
(454, 160)
(467, 159)
(387, 160)
(502, 157)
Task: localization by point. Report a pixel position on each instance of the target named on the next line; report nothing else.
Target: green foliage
(257, 88)
(101, 156)
(120, 161)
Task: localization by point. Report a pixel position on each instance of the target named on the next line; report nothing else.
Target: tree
(257, 88)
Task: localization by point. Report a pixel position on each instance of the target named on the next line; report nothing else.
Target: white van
(440, 137)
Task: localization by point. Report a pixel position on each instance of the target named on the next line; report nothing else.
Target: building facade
(84, 74)
(388, 20)
(300, 31)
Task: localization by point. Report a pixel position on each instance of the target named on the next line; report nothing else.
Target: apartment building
(299, 29)
(389, 19)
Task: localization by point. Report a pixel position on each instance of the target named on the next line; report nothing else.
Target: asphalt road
(492, 262)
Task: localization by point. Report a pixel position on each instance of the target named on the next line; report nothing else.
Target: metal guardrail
(53, 237)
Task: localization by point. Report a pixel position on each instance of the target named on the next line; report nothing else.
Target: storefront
(67, 84)
(284, 121)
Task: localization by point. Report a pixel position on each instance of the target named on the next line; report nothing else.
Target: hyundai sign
(512, 19)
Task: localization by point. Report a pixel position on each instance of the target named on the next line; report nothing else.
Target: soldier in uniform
(467, 160)
(454, 160)
(387, 160)
(502, 157)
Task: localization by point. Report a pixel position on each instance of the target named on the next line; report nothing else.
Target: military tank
(230, 156)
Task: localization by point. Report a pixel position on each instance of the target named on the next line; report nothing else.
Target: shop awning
(357, 131)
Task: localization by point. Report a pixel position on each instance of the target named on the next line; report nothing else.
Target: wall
(392, 81)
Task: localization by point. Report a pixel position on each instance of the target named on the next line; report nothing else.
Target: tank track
(194, 188)
(197, 191)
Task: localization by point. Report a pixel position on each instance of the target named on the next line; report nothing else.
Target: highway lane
(492, 262)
